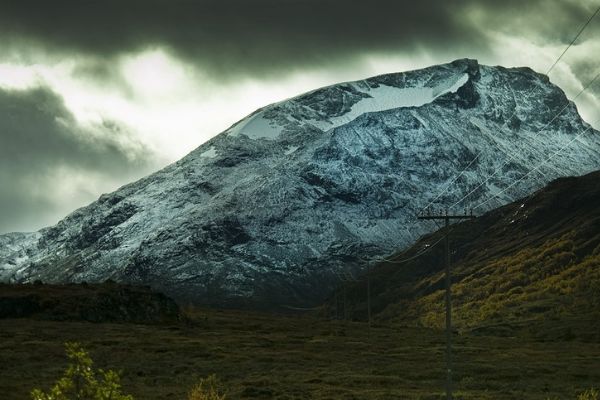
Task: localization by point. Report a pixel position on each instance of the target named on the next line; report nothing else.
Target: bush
(207, 389)
(590, 394)
(81, 382)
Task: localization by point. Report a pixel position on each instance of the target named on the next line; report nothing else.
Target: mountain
(270, 212)
(532, 265)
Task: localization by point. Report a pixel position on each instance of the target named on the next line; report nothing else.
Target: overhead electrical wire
(447, 187)
(390, 259)
(429, 247)
(537, 133)
(534, 169)
(574, 40)
(461, 173)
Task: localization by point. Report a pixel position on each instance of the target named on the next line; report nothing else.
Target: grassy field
(260, 356)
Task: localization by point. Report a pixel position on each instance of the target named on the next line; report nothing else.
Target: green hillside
(532, 266)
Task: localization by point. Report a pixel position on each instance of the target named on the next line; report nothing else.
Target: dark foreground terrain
(259, 356)
(101, 302)
(526, 291)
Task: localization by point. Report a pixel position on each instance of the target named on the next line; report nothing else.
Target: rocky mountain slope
(532, 265)
(271, 211)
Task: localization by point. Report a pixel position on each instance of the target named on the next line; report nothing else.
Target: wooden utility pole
(447, 217)
(336, 304)
(344, 285)
(369, 298)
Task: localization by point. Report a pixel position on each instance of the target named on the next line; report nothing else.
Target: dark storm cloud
(41, 145)
(230, 37)
(586, 69)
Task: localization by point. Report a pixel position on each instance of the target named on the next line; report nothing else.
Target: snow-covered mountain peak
(279, 206)
(382, 93)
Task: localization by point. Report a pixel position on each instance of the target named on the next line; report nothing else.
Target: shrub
(207, 389)
(590, 394)
(81, 382)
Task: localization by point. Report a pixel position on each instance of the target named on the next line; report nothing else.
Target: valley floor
(258, 356)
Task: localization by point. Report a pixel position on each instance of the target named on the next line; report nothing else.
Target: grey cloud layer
(40, 145)
(231, 37)
(228, 39)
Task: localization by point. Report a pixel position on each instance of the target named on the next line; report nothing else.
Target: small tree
(81, 382)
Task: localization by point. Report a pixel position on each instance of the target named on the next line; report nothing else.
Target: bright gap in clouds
(172, 107)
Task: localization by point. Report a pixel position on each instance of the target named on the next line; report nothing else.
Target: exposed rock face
(271, 211)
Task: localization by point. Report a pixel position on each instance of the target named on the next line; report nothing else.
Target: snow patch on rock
(257, 127)
(210, 153)
(290, 150)
(384, 98)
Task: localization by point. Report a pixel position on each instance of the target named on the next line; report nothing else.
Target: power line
(537, 133)
(428, 247)
(573, 41)
(468, 165)
(534, 169)
(452, 182)
(459, 175)
(513, 114)
(391, 258)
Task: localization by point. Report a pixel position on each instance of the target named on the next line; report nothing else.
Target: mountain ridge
(271, 210)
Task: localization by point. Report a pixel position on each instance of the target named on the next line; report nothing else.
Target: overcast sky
(94, 94)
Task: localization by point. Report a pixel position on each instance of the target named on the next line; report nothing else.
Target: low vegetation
(537, 285)
(261, 356)
(207, 389)
(81, 381)
(590, 394)
(528, 269)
